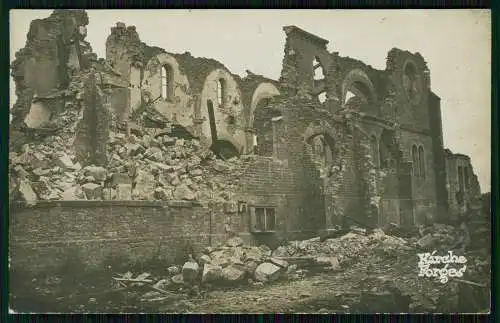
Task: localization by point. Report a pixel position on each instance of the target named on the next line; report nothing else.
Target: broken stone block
(74, 193)
(124, 192)
(134, 149)
(182, 192)
(173, 270)
(41, 172)
(171, 176)
(291, 269)
(118, 178)
(267, 272)
(378, 234)
(234, 242)
(98, 172)
(253, 253)
(190, 271)
(233, 274)
(211, 273)
(196, 172)
(279, 262)
(178, 279)
(179, 142)
(250, 267)
(27, 192)
(426, 241)
(331, 262)
(281, 251)
(93, 191)
(162, 194)
(65, 162)
(21, 172)
(222, 262)
(205, 259)
(145, 185)
(163, 167)
(176, 181)
(146, 141)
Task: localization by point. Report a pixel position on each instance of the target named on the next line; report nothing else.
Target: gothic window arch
(421, 159)
(318, 70)
(221, 91)
(415, 159)
(375, 150)
(322, 146)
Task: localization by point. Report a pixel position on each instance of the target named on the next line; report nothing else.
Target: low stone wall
(96, 234)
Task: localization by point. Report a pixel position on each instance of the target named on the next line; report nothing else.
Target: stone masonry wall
(44, 237)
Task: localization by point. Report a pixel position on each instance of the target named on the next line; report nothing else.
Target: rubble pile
(148, 164)
(375, 260)
(46, 167)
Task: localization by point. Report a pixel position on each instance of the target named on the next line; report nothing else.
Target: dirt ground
(359, 287)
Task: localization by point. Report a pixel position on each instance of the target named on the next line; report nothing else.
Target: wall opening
(322, 148)
(318, 70)
(409, 80)
(221, 91)
(322, 97)
(358, 92)
(167, 88)
(415, 160)
(265, 132)
(388, 153)
(421, 162)
(374, 150)
(263, 219)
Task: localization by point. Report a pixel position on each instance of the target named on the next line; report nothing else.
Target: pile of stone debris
(371, 255)
(141, 167)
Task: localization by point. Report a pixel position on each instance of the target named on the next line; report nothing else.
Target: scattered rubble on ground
(383, 262)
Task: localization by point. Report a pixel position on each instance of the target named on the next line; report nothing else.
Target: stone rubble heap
(377, 256)
(142, 166)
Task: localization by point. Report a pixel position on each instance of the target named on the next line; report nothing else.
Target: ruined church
(332, 142)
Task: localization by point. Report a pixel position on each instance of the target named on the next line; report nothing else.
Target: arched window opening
(322, 148)
(409, 80)
(166, 82)
(374, 150)
(357, 93)
(263, 125)
(416, 164)
(322, 97)
(221, 91)
(421, 159)
(318, 70)
(348, 96)
(387, 151)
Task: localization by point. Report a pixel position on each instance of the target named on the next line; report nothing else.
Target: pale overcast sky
(455, 43)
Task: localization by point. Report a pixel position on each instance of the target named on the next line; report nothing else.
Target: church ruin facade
(332, 142)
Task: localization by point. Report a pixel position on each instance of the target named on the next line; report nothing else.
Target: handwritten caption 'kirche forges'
(429, 266)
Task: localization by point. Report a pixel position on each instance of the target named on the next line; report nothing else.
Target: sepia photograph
(250, 161)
